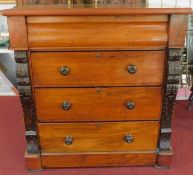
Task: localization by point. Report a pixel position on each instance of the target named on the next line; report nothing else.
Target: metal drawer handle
(68, 140)
(129, 138)
(66, 105)
(64, 70)
(132, 69)
(130, 105)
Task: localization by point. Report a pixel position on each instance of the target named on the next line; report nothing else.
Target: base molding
(98, 159)
(164, 159)
(36, 162)
(33, 162)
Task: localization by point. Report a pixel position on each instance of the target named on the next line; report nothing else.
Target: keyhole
(98, 124)
(98, 90)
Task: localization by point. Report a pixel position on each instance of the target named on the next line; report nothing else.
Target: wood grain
(97, 45)
(80, 11)
(98, 104)
(92, 159)
(17, 32)
(87, 69)
(110, 34)
(177, 30)
(164, 159)
(33, 162)
(98, 137)
(118, 19)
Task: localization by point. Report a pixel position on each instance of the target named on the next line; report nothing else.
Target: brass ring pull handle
(66, 105)
(129, 138)
(64, 70)
(130, 105)
(68, 140)
(132, 69)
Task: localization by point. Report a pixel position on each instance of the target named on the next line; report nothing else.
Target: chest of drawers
(97, 85)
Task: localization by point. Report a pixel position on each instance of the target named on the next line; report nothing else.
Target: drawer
(98, 137)
(76, 69)
(96, 159)
(96, 32)
(98, 104)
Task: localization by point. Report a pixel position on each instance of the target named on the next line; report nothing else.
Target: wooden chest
(97, 85)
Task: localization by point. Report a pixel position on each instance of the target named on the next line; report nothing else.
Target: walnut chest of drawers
(97, 85)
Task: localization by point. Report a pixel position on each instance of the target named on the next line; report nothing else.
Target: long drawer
(59, 69)
(98, 104)
(96, 32)
(96, 159)
(98, 137)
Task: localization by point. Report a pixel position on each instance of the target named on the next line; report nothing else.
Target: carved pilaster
(190, 99)
(172, 78)
(24, 88)
(43, 2)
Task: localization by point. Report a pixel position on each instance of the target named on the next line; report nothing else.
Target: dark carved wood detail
(190, 99)
(100, 2)
(26, 98)
(191, 95)
(170, 91)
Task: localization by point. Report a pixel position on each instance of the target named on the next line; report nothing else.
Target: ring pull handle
(132, 69)
(68, 140)
(66, 105)
(129, 138)
(130, 105)
(64, 70)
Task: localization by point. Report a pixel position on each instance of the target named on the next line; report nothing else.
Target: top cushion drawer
(98, 32)
(74, 69)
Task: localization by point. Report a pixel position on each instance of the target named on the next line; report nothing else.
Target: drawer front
(92, 32)
(96, 159)
(98, 137)
(98, 104)
(97, 68)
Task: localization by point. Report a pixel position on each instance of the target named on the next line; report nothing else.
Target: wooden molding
(58, 11)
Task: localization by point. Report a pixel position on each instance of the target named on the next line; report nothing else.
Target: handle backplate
(132, 69)
(129, 138)
(68, 140)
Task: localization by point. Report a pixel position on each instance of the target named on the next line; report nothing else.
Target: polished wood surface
(164, 159)
(84, 10)
(98, 137)
(101, 19)
(98, 104)
(98, 80)
(97, 68)
(33, 161)
(177, 30)
(108, 34)
(18, 32)
(92, 159)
